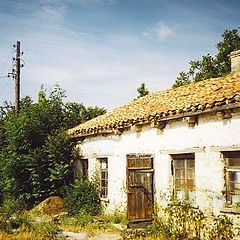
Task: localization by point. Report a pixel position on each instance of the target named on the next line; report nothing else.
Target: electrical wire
(5, 86)
(4, 76)
(8, 60)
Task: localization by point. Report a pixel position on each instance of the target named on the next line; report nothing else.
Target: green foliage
(5, 109)
(179, 220)
(116, 217)
(221, 229)
(182, 221)
(77, 113)
(230, 42)
(212, 67)
(35, 151)
(19, 220)
(11, 206)
(11, 216)
(142, 90)
(84, 219)
(82, 198)
(47, 230)
(139, 233)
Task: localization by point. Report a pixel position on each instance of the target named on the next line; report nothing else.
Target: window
(103, 177)
(81, 169)
(232, 170)
(183, 169)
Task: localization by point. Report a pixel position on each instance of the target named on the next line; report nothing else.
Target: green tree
(209, 66)
(142, 90)
(77, 113)
(35, 151)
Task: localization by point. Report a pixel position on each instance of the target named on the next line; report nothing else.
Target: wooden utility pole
(17, 78)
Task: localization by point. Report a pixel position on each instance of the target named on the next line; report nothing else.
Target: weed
(84, 219)
(221, 229)
(47, 230)
(179, 220)
(115, 218)
(11, 216)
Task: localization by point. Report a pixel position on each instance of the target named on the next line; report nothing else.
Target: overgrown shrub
(84, 219)
(116, 217)
(82, 197)
(11, 216)
(47, 230)
(181, 221)
(35, 150)
(11, 205)
(221, 229)
(185, 221)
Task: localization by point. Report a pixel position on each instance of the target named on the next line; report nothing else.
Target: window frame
(186, 176)
(81, 168)
(103, 177)
(227, 155)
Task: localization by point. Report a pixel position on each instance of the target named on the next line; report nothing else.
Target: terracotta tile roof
(193, 97)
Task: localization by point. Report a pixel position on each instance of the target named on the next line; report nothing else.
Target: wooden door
(139, 188)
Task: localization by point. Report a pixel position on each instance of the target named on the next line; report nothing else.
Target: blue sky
(100, 51)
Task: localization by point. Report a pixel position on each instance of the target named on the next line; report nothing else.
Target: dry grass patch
(25, 236)
(50, 206)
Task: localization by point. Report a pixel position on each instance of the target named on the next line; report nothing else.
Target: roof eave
(165, 117)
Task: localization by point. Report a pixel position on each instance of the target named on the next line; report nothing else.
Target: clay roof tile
(198, 95)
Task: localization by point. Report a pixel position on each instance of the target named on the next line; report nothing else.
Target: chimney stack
(235, 61)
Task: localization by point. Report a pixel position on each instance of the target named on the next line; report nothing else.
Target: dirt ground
(85, 236)
(54, 205)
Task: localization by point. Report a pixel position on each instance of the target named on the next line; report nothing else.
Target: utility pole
(18, 63)
(17, 78)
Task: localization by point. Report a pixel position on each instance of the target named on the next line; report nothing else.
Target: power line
(7, 59)
(5, 85)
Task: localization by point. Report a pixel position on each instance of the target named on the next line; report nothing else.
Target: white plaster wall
(206, 139)
(209, 175)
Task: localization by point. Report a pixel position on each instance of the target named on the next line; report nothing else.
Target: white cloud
(103, 72)
(160, 30)
(50, 12)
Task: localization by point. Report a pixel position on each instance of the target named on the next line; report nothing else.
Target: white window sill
(231, 210)
(106, 200)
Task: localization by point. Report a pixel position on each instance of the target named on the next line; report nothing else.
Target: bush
(84, 219)
(180, 220)
(11, 216)
(183, 221)
(83, 197)
(46, 230)
(221, 229)
(116, 217)
(11, 205)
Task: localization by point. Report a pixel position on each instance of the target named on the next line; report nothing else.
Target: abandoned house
(183, 142)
